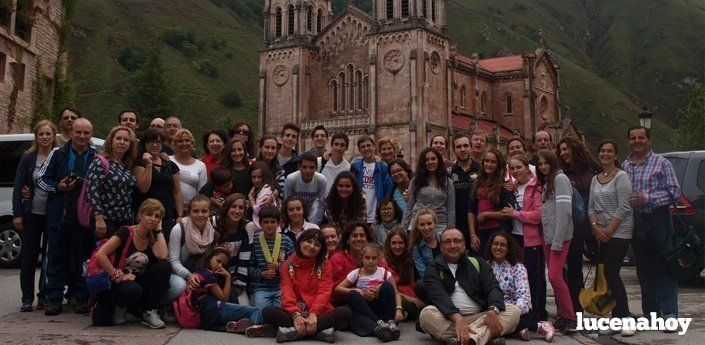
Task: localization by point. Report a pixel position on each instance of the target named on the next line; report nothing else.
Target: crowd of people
(256, 238)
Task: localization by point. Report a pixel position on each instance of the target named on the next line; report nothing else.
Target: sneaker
(40, 304)
(239, 326)
(524, 334)
(559, 323)
(26, 306)
(383, 333)
(150, 318)
(81, 307)
(546, 329)
(419, 328)
(569, 326)
(53, 308)
(261, 331)
(396, 333)
(285, 334)
(327, 335)
(119, 316)
(627, 332)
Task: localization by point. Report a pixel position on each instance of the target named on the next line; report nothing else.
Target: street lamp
(645, 117)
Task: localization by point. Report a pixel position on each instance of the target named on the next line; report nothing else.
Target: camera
(73, 176)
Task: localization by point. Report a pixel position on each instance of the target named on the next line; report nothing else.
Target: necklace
(605, 174)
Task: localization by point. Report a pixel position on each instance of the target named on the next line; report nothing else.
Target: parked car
(12, 147)
(690, 206)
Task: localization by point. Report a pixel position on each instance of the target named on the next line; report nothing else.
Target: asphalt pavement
(69, 328)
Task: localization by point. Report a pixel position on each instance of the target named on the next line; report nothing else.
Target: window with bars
(334, 89)
(390, 9)
(510, 107)
(433, 10)
(319, 19)
(405, 8)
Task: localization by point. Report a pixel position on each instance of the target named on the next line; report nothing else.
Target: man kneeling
(466, 304)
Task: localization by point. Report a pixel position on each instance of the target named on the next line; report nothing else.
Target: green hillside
(615, 55)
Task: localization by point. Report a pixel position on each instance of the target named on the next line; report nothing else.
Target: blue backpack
(578, 207)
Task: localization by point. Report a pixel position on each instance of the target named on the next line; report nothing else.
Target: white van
(12, 147)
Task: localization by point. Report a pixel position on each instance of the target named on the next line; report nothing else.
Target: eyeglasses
(69, 117)
(154, 142)
(241, 131)
(450, 241)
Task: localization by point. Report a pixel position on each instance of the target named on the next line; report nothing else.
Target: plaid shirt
(654, 177)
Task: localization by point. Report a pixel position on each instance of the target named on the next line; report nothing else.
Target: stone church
(396, 73)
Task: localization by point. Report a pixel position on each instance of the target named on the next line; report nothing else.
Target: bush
(218, 43)
(231, 99)
(228, 55)
(129, 59)
(208, 68)
(184, 40)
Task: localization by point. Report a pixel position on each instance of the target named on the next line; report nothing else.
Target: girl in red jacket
(306, 286)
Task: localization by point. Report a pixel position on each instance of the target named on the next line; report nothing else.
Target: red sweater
(303, 282)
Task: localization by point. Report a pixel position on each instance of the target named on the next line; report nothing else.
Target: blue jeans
(659, 289)
(67, 248)
(266, 298)
(233, 312)
(177, 285)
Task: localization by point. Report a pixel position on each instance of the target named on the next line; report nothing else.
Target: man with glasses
(466, 304)
(464, 174)
(158, 124)
(171, 126)
(68, 116)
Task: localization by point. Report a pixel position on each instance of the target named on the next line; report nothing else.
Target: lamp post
(645, 117)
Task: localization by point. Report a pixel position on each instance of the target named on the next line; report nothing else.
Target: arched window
(334, 90)
(433, 10)
(358, 81)
(463, 96)
(278, 22)
(309, 18)
(424, 8)
(319, 18)
(351, 83)
(510, 107)
(342, 91)
(483, 102)
(390, 9)
(290, 13)
(405, 8)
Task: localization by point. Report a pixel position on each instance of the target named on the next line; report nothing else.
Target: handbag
(682, 253)
(97, 280)
(597, 299)
(185, 310)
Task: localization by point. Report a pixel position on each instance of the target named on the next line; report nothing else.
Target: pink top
(530, 215)
(486, 205)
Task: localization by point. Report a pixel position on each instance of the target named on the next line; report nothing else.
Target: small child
(264, 190)
(269, 250)
(211, 298)
(372, 293)
(218, 188)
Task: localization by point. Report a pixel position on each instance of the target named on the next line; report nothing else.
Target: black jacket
(482, 286)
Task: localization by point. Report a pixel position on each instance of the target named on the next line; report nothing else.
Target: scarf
(197, 242)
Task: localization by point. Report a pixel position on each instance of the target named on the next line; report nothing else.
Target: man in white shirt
(466, 304)
(335, 164)
(308, 185)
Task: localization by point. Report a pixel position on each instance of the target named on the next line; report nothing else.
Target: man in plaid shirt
(654, 185)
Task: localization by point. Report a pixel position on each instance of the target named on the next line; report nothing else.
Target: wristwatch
(494, 309)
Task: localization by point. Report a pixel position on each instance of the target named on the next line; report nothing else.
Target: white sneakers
(150, 318)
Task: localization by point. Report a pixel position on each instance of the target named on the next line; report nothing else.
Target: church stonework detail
(395, 73)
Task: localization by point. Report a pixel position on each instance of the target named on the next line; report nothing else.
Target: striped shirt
(655, 178)
(611, 200)
(258, 263)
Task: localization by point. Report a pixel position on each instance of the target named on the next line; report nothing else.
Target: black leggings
(338, 318)
(612, 256)
(366, 314)
(147, 291)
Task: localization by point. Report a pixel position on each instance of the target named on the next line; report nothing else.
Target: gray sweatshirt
(556, 213)
(440, 201)
(313, 193)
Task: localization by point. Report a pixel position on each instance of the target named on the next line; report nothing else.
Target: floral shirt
(514, 282)
(110, 194)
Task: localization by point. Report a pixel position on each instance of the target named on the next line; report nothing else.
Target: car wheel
(10, 245)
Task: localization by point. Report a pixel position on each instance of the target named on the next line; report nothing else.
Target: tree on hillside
(691, 121)
(148, 88)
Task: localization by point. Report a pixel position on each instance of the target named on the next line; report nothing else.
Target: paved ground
(68, 328)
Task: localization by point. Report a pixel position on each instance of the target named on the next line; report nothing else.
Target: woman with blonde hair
(28, 209)
(425, 242)
(110, 182)
(387, 149)
(140, 278)
(192, 172)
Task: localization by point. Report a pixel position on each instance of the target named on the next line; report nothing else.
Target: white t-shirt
(193, 178)
(460, 298)
(368, 186)
(518, 228)
(368, 282)
(331, 171)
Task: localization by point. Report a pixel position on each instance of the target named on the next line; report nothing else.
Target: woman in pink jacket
(527, 229)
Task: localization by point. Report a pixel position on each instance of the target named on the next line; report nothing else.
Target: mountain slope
(615, 55)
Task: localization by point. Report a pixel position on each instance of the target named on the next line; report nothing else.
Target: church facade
(395, 73)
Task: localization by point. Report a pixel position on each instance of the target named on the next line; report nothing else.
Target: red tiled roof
(465, 122)
(502, 64)
(463, 58)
